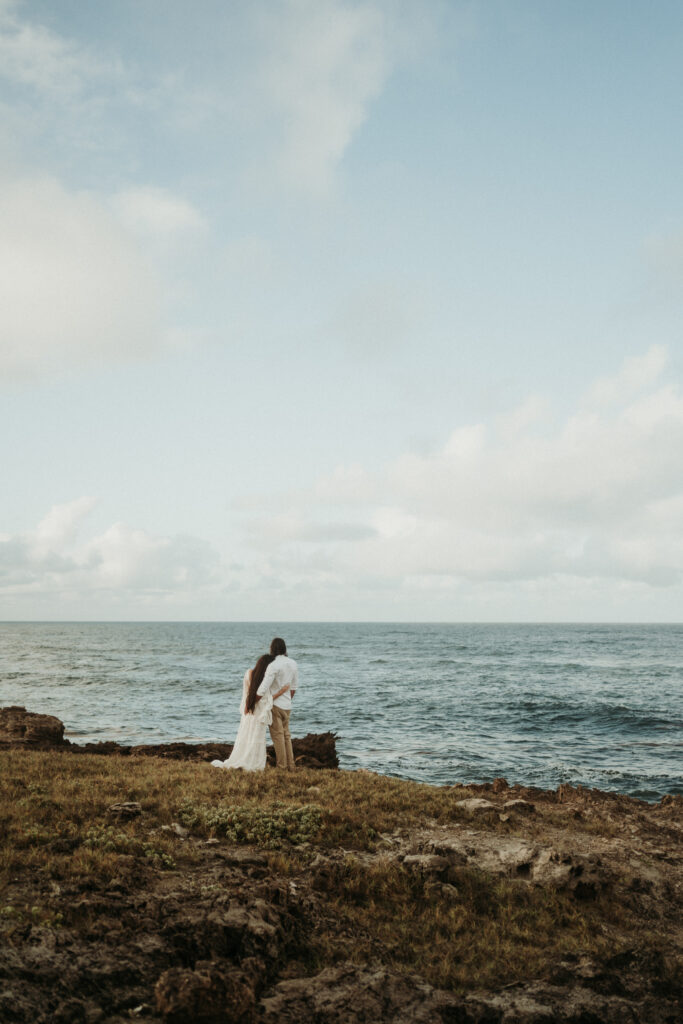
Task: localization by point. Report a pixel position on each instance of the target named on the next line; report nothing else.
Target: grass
(490, 933)
(486, 931)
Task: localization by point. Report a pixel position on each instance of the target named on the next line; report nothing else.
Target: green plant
(270, 827)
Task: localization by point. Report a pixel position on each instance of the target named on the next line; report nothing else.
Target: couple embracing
(267, 692)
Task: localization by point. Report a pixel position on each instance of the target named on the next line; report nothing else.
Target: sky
(335, 310)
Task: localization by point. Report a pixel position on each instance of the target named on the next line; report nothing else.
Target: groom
(281, 672)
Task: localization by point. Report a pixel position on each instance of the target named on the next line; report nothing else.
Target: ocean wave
(556, 711)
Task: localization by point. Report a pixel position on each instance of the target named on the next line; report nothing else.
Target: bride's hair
(257, 674)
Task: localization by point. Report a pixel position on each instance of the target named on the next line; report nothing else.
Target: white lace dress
(249, 751)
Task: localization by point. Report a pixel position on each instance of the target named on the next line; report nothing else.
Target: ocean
(593, 705)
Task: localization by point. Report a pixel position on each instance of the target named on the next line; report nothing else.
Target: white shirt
(281, 672)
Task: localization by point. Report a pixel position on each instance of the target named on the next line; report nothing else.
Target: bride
(249, 751)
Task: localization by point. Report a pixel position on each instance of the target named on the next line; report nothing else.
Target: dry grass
(47, 797)
(490, 933)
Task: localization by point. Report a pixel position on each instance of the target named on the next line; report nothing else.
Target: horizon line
(346, 622)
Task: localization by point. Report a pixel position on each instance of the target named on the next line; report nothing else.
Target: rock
(351, 994)
(673, 803)
(125, 811)
(355, 995)
(580, 875)
(440, 892)
(516, 857)
(521, 860)
(426, 863)
(21, 727)
(566, 793)
(519, 806)
(476, 805)
(315, 750)
(207, 995)
(242, 856)
(499, 785)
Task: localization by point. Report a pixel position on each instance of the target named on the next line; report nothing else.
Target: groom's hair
(278, 646)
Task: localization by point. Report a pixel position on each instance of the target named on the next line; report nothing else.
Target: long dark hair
(257, 674)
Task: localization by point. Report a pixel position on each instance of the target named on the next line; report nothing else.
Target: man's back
(283, 671)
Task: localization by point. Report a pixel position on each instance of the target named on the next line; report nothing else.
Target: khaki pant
(282, 741)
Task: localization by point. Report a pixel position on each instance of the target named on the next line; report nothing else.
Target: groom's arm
(267, 680)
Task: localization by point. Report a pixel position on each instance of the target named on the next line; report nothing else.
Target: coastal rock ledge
(21, 727)
(29, 730)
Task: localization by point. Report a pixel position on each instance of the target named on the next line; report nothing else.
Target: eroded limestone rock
(520, 859)
(477, 805)
(19, 727)
(350, 994)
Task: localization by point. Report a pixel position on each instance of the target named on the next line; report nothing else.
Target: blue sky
(314, 309)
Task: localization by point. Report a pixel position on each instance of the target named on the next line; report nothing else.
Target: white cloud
(81, 103)
(296, 82)
(59, 528)
(598, 497)
(127, 558)
(124, 561)
(32, 55)
(325, 62)
(287, 528)
(637, 374)
(74, 287)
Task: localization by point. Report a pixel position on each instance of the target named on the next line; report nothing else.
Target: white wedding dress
(249, 751)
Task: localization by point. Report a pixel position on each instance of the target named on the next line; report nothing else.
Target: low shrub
(270, 827)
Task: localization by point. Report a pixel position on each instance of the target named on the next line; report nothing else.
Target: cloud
(123, 560)
(59, 528)
(127, 558)
(74, 287)
(324, 63)
(286, 528)
(581, 517)
(288, 84)
(636, 375)
(33, 56)
(81, 105)
(157, 212)
(596, 497)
